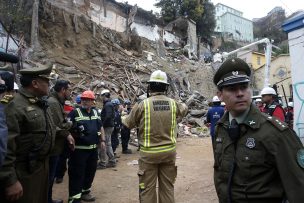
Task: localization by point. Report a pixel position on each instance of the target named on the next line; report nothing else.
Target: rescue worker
(117, 125)
(88, 134)
(156, 118)
(56, 102)
(289, 115)
(125, 131)
(31, 131)
(214, 114)
(107, 118)
(259, 104)
(272, 107)
(3, 126)
(257, 158)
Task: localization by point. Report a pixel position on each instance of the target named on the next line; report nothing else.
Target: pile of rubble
(99, 58)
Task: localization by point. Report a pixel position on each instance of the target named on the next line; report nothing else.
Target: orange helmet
(88, 95)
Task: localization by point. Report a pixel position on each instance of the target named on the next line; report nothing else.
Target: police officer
(272, 107)
(257, 158)
(24, 175)
(88, 134)
(214, 114)
(156, 118)
(56, 102)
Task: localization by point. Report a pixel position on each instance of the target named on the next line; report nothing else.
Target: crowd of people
(41, 129)
(43, 134)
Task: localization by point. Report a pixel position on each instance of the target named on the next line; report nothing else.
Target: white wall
(112, 20)
(295, 39)
(171, 38)
(148, 32)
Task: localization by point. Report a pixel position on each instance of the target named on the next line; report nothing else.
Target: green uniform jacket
(27, 127)
(267, 168)
(62, 127)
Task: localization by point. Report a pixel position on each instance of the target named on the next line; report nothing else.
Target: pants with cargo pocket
(82, 168)
(149, 173)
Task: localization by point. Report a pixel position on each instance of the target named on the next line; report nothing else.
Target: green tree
(201, 11)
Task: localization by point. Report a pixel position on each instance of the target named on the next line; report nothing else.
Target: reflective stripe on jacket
(87, 125)
(156, 118)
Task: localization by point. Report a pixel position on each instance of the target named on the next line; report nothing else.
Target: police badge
(250, 143)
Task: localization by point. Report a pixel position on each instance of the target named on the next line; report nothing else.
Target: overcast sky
(250, 8)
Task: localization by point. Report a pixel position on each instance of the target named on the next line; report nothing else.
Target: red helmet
(88, 95)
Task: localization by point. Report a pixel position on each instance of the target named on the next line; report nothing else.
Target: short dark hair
(26, 80)
(158, 87)
(8, 78)
(61, 84)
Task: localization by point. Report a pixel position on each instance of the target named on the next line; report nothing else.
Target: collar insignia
(252, 122)
(250, 143)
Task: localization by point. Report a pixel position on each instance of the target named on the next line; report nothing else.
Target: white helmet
(215, 99)
(268, 90)
(290, 104)
(16, 86)
(159, 76)
(104, 91)
(258, 100)
(223, 104)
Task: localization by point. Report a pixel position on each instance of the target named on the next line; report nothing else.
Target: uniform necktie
(233, 130)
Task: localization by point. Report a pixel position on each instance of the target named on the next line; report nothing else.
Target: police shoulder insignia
(277, 123)
(250, 143)
(300, 157)
(33, 100)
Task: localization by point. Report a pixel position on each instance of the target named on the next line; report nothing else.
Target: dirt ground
(194, 183)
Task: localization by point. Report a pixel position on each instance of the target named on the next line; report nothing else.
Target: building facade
(280, 75)
(231, 21)
(254, 59)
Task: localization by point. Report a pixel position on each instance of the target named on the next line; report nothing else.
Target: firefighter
(88, 133)
(156, 119)
(272, 107)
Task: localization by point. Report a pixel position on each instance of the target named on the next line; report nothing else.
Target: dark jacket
(62, 126)
(107, 114)
(86, 127)
(268, 158)
(213, 115)
(3, 135)
(31, 135)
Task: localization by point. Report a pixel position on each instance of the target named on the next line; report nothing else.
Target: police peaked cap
(43, 72)
(232, 71)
